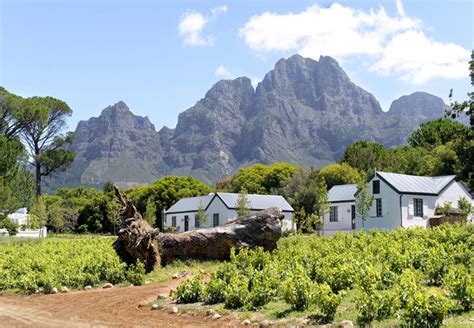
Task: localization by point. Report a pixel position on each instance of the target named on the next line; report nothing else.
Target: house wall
(408, 210)
(225, 214)
(344, 222)
(390, 218)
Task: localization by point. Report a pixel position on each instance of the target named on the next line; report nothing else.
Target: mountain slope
(304, 111)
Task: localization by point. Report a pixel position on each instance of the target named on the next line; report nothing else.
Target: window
(173, 221)
(215, 219)
(333, 214)
(378, 207)
(196, 221)
(376, 187)
(418, 204)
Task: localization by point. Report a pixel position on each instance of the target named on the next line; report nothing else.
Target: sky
(161, 57)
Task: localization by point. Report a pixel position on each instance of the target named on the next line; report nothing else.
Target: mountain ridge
(303, 111)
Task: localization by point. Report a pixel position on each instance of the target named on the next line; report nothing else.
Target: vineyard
(417, 277)
(30, 266)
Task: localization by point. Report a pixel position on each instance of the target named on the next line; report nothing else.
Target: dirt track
(100, 307)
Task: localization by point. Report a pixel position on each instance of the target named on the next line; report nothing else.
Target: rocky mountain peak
(418, 103)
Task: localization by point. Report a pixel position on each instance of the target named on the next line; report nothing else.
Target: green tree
(339, 174)
(364, 155)
(436, 133)
(465, 206)
(39, 212)
(43, 119)
(243, 203)
(150, 211)
(202, 215)
(363, 201)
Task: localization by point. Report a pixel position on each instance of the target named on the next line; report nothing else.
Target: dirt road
(99, 308)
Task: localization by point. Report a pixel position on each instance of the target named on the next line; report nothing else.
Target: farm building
(221, 207)
(400, 200)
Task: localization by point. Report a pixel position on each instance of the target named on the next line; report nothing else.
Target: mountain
(304, 111)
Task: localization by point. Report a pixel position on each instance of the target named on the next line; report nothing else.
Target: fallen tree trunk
(138, 241)
(259, 229)
(136, 238)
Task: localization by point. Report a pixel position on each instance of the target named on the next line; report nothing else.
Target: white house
(400, 200)
(20, 216)
(221, 207)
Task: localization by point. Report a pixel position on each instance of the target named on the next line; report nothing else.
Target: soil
(100, 308)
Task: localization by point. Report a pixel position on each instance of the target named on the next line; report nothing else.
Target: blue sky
(160, 57)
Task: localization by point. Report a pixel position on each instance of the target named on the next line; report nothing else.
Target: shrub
(460, 288)
(327, 301)
(236, 293)
(190, 290)
(298, 289)
(136, 274)
(214, 292)
(261, 291)
(376, 305)
(425, 308)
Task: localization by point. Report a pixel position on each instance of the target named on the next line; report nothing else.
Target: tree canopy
(339, 174)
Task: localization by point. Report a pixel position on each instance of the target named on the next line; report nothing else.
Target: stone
(174, 310)
(161, 296)
(175, 276)
(147, 282)
(87, 288)
(265, 324)
(346, 324)
(108, 285)
(216, 316)
(64, 290)
(155, 306)
(210, 312)
(246, 322)
(54, 290)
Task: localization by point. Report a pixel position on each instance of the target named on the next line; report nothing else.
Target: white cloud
(341, 31)
(400, 9)
(192, 24)
(223, 72)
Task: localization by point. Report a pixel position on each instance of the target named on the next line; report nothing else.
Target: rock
(174, 310)
(147, 282)
(155, 306)
(175, 276)
(210, 312)
(265, 324)
(346, 324)
(88, 288)
(161, 296)
(246, 322)
(64, 290)
(54, 290)
(216, 316)
(108, 285)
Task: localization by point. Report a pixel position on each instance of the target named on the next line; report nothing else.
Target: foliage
(436, 133)
(363, 201)
(56, 262)
(243, 203)
(262, 179)
(363, 155)
(201, 215)
(150, 212)
(190, 291)
(465, 206)
(339, 174)
(136, 274)
(314, 273)
(38, 213)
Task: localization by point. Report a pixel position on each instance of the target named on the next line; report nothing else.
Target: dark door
(353, 216)
(186, 223)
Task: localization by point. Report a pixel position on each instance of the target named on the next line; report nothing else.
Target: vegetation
(341, 173)
(363, 201)
(201, 215)
(55, 262)
(327, 275)
(243, 203)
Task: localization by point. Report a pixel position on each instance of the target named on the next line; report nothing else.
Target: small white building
(400, 200)
(20, 216)
(220, 208)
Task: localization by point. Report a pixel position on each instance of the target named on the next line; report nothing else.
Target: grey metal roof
(405, 183)
(342, 193)
(257, 202)
(190, 204)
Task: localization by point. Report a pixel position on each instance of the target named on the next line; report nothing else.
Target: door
(186, 223)
(353, 216)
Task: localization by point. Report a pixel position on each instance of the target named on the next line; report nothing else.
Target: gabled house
(20, 216)
(400, 200)
(221, 207)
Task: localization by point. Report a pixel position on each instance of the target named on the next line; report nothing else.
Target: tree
(150, 212)
(10, 109)
(436, 133)
(201, 216)
(339, 174)
(465, 206)
(364, 155)
(39, 212)
(466, 107)
(363, 201)
(43, 119)
(243, 203)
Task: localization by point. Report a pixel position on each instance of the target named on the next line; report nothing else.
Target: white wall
(225, 214)
(390, 218)
(344, 216)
